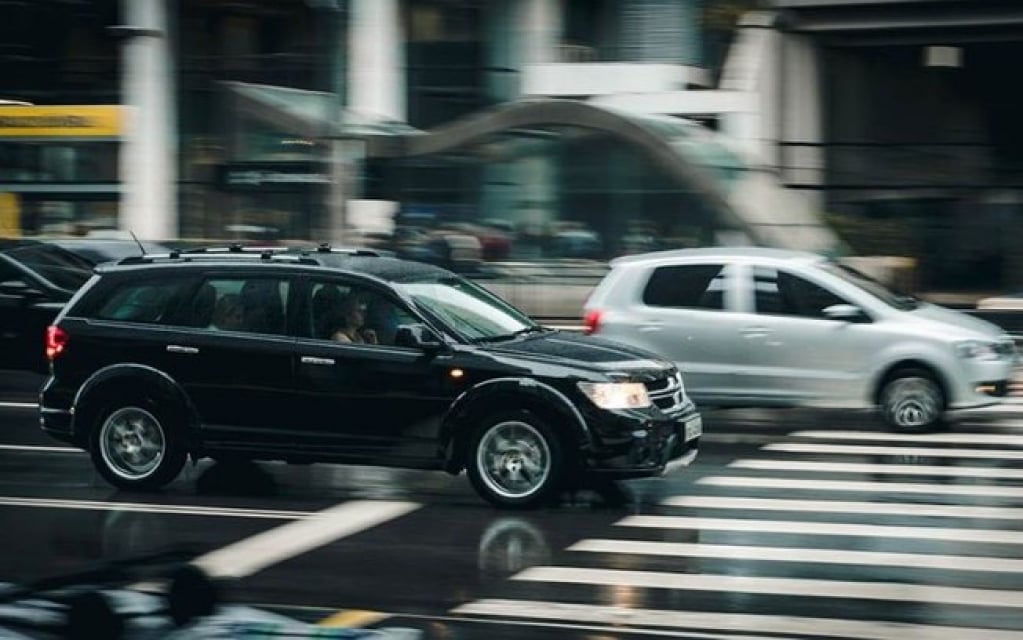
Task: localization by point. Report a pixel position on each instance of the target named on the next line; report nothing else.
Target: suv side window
(249, 304)
(353, 314)
(778, 292)
(693, 286)
(147, 301)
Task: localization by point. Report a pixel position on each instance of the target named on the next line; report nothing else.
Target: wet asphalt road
(789, 524)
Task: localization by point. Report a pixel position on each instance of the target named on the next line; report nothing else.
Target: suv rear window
(62, 268)
(694, 286)
(148, 301)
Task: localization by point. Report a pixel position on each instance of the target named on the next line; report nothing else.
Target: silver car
(766, 327)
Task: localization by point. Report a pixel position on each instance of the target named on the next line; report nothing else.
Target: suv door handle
(651, 326)
(176, 348)
(755, 332)
(319, 361)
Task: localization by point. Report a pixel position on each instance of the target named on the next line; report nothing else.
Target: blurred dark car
(36, 279)
(98, 250)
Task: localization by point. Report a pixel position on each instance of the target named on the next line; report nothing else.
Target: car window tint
(697, 286)
(778, 292)
(353, 314)
(149, 301)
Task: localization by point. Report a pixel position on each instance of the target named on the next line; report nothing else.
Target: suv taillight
(56, 340)
(591, 321)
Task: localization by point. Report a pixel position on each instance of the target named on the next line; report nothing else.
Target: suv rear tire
(912, 401)
(134, 447)
(515, 460)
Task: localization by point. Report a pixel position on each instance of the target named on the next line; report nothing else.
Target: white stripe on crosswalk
(1011, 440)
(1002, 473)
(848, 449)
(1014, 492)
(253, 554)
(798, 527)
(803, 587)
(41, 449)
(625, 619)
(912, 509)
(800, 554)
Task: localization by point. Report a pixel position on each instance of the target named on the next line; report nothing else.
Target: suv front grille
(667, 393)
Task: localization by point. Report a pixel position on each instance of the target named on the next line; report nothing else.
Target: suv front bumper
(645, 447)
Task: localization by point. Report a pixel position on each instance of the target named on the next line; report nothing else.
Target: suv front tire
(515, 460)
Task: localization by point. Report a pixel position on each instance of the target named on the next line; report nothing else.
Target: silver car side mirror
(846, 312)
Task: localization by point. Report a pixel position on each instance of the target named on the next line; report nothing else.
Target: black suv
(324, 355)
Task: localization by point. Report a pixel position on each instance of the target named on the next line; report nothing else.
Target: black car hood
(574, 350)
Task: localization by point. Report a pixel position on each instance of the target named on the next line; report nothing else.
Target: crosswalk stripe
(253, 554)
(1002, 473)
(947, 438)
(623, 618)
(804, 587)
(912, 509)
(990, 491)
(799, 527)
(800, 554)
(846, 449)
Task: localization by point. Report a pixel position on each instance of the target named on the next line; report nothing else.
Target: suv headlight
(978, 350)
(616, 395)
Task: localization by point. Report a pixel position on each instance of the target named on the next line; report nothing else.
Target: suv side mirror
(846, 312)
(20, 289)
(417, 336)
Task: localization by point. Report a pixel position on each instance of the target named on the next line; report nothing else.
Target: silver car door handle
(177, 348)
(755, 332)
(651, 326)
(318, 361)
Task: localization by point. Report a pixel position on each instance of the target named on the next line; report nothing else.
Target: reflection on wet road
(791, 524)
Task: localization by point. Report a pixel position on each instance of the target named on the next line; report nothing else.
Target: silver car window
(778, 292)
(689, 286)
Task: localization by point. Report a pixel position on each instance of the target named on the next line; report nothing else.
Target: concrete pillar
(540, 30)
(149, 144)
(800, 114)
(376, 65)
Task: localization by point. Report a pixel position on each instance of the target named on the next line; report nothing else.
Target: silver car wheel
(912, 402)
(132, 443)
(513, 459)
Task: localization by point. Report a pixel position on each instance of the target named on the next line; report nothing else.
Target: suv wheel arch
(502, 395)
(118, 382)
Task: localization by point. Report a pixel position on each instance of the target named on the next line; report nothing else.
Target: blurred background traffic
(526, 141)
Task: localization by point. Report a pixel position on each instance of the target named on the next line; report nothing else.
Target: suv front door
(364, 397)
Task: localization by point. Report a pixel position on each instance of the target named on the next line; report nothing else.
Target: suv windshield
(62, 268)
(900, 301)
(468, 309)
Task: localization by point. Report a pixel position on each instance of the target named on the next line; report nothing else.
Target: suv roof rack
(302, 255)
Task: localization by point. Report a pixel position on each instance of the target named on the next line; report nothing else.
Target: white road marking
(802, 587)
(912, 509)
(805, 528)
(39, 448)
(621, 619)
(18, 405)
(848, 449)
(990, 491)
(255, 553)
(948, 438)
(1002, 473)
(138, 507)
(801, 554)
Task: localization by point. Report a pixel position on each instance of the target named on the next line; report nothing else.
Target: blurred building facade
(384, 121)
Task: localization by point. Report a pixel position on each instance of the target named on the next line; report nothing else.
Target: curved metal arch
(540, 113)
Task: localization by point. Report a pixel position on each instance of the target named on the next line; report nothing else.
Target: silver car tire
(133, 447)
(515, 461)
(912, 401)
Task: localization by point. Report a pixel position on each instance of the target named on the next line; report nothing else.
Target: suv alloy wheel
(515, 460)
(133, 447)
